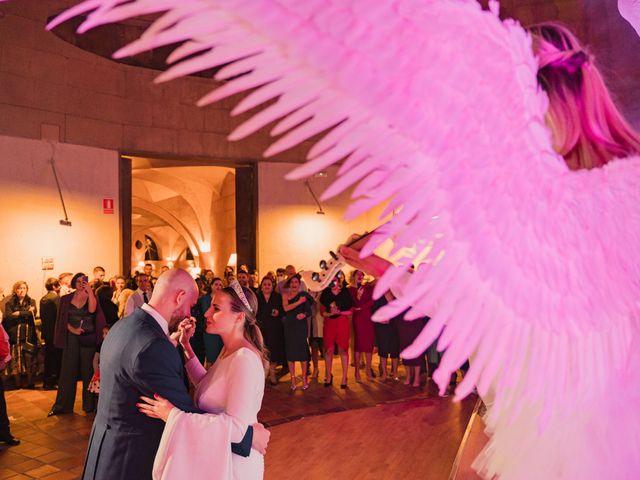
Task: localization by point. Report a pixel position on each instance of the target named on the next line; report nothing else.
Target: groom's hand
(260, 438)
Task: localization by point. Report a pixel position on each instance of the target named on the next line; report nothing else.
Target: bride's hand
(260, 438)
(156, 407)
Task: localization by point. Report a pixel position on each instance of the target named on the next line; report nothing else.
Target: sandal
(330, 382)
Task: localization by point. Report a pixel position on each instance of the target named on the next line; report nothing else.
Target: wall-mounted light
(205, 246)
(315, 199)
(233, 260)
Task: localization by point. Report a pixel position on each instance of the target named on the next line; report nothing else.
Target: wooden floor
(413, 439)
(372, 430)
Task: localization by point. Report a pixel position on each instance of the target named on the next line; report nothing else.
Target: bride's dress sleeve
(195, 370)
(188, 437)
(245, 386)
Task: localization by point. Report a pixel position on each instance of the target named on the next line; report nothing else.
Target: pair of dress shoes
(9, 439)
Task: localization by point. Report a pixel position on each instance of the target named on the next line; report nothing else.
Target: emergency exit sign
(108, 206)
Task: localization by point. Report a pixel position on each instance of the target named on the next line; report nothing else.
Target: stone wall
(85, 99)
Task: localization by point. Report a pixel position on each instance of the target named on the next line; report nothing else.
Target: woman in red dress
(363, 331)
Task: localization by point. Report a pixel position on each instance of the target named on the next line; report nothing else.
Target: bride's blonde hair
(588, 130)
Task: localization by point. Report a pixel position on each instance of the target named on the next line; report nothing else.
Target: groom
(137, 358)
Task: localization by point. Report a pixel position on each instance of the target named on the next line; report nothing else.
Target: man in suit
(141, 296)
(137, 358)
(48, 314)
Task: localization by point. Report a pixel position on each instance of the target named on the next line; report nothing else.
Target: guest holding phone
(80, 321)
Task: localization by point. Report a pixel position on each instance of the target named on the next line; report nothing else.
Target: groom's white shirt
(157, 317)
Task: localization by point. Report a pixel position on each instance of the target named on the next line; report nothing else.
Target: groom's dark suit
(136, 359)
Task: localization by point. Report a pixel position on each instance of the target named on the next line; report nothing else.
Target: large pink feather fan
(527, 268)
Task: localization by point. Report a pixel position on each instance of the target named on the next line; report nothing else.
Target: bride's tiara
(238, 289)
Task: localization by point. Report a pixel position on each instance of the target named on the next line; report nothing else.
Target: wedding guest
(148, 271)
(141, 296)
(79, 321)
(98, 278)
(5, 358)
(281, 276)
(65, 283)
(336, 306)
(163, 269)
(19, 322)
(387, 339)
(254, 280)
(197, 311)
(408, 331)
(297, 306)
(290, 271)
(243, 279)
(129, 289)
(94, 385)
(272, 275)
(363, 329)
(48, 314)
(209, 276)
(104, 294)
(119, 284)
(315, 333)
(270, 320)
(212, 341)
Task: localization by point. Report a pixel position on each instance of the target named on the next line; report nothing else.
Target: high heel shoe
(305, 386)
(343, 386)
(330, 382)
(292, 388)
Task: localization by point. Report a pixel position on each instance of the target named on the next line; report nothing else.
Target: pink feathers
(528, 269)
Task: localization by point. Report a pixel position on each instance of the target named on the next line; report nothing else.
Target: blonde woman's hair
(588, 129)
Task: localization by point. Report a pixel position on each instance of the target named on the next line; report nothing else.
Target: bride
(191, 445)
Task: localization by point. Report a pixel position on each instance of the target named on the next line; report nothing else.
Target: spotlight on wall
(233, 260)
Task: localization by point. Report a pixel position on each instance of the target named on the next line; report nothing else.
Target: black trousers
(75, 359)
(52, 364)
(4, 418)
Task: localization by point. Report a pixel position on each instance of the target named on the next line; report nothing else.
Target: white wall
(31, 211)
(290, 231)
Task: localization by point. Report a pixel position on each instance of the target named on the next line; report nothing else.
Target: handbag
(29, 346)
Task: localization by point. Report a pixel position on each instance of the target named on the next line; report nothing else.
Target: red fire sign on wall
(108, 206)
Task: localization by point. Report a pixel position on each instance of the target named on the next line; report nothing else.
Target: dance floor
(372, 430)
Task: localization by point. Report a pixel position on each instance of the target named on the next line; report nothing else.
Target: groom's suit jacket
(136, 359)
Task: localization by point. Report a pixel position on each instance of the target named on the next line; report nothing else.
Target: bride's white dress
(197, 446)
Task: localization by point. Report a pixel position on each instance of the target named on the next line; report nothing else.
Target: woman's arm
(92, 305)
(291, 306)
(195, 369)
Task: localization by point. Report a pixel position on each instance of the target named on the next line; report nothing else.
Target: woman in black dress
(387, 339)
(104, 294)
(408, 331)
(19, 322)
(270, 316)
(297, 306)
(78, 333)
